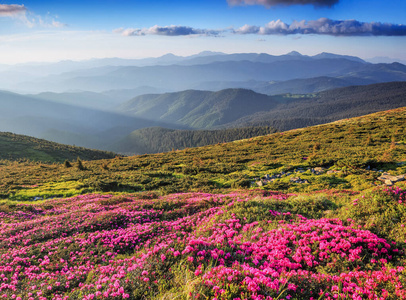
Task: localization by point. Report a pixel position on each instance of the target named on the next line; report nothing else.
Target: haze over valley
(101, 103)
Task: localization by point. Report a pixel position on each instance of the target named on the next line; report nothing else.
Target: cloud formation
(48, 23)
(29, 19)
(269, 3)
(325, 26)
(322, 26)
(12, 10)
(172, 30)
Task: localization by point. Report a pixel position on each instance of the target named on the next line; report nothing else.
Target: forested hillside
(331, 105)
(232, 108)
(157, 139)
(236, 110)
(198, 109)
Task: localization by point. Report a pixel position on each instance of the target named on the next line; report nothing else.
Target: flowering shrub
(242, 245)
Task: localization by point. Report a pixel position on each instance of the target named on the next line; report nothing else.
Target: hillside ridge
(21, 147)
(230, 108)
(357, 150)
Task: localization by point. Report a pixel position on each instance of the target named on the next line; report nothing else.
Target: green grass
(21, 147)
(47, 190)
(348, 146)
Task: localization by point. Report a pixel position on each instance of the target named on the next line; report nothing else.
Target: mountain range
(65, 123)
(109, 103)
(209, 71)
(115, 129)
(239, 107)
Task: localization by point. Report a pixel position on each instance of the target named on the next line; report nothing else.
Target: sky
(53, 30)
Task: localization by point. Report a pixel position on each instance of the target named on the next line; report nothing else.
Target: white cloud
(172, 30)
(322, 26)
(246, 29)
(28, 18)
(268, 3)
(47, 23)
(11, 10)
(325, 26)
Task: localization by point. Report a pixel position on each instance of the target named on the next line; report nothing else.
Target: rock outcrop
(389, 179)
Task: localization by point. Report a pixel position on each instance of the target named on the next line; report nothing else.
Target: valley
(100, 121)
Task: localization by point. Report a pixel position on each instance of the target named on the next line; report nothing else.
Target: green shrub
(383, 211)
(114, 200)
(80, 164)
(310, 206)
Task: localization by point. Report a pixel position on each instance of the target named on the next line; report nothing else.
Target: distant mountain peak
(294, 53)
(168, 55)
(327, 55)
(337, 56)
(207, 53)
(385, 60)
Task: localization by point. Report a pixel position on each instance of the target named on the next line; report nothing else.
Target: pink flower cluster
(89, 248)
(397, 193)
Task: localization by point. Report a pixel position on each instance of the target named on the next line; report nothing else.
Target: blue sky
(57, 30)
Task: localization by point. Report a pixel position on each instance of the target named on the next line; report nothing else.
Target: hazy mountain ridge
(198, 109)
(85, 99)
(331, 105)
(48, 68)
(228, 108)
(174, 73)
(179, 77)
(37, 117)
(84, 115)
(238, 107)
(303, 85)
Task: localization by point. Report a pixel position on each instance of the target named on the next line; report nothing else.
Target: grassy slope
(16, 147)
(247, 244)
(377, 140)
